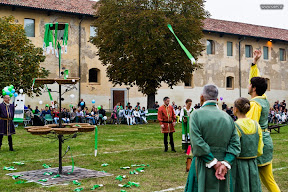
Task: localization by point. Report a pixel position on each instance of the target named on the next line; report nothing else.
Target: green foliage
(19, 58)
(138, 48)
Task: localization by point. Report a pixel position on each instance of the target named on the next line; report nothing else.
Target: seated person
(143, 115)
(65, 116)
(136, 116)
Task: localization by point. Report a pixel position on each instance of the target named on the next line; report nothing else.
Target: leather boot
(10, 143)
(172, 142)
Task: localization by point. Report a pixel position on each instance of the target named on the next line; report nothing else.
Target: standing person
(184, 116)
(250, 133)
(215, 145)
(259, 112)
(224, 106)
(6, 121)
(167, 120)
(82, 106)
(174, 105)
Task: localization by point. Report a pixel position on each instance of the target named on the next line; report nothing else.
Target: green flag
(182, 46)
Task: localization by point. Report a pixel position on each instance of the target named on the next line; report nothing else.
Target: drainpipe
(80, 57)
(240, 66)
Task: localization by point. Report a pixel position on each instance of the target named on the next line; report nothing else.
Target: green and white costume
(185, 114)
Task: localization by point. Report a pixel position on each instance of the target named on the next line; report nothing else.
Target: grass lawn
(139, 144)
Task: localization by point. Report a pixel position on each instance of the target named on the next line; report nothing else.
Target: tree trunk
(150, 101)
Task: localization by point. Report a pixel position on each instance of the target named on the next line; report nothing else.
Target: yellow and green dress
(246, 176)
(185, 114)
(259, 111)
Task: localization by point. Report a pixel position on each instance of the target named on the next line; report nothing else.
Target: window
(210, 47)
(282, 55)
(248, 51)
(268, 84)
(29, 27)
(188, 80)
(229, 48)
(229, 82)
(94, 75)
(93, 31)
(265, 52)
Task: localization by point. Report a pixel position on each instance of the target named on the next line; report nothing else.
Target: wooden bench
(275, 128)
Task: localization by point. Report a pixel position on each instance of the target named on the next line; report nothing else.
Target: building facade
(226, 60)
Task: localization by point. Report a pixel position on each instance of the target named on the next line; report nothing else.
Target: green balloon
(10, 88)
(11, 95)
(99, 107)
(33, 111)
(47, 105)
(4, 93)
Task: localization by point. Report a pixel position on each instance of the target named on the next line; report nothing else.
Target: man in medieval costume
(259, 112)
(184, 116)
(167, 120)
(215, 145)
(6, 121)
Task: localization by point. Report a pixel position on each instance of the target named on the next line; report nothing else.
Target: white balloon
(104, 118)
(73, 80)
(6, 89)
(72, 95)
(21, 91)
(40, 102)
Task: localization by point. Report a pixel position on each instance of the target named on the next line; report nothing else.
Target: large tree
(135, 44)
(19, 58)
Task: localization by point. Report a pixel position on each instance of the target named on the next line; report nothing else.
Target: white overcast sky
(248, 11)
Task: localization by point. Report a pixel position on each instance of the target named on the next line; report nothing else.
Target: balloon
(15, 94)
(10, 89)
(6, 89)
(46, 105)
(11, 95)
(8, 93)
(73, 80)
(99, 107)
(11, 86)
(82, 103)
(40, 102)
(13, 91)
(21, 91)
(93, 101)
(33, 111)
(4, 93)
(221, 98)
(72, 96)
(104, 118)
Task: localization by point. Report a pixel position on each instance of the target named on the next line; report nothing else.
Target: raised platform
(78, 174)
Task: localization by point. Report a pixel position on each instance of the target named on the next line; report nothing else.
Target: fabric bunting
(9, 168)
(56, 176)
(129, 184)
(182, 46)
(96, 186)
(43, 180)
(16, 176)
(50, 96)
(78, 189)
(75, 182)
(20, 182)
(47, 173)
(46, 166)
(120, 177)
(19, 163)
(125, 167)
(134, 172)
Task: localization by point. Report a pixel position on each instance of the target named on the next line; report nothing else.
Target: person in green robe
(184, 116)
(215, 145)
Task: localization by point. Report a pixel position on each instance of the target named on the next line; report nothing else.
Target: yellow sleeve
(260, 143)
(254, 72)
(255, 111)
